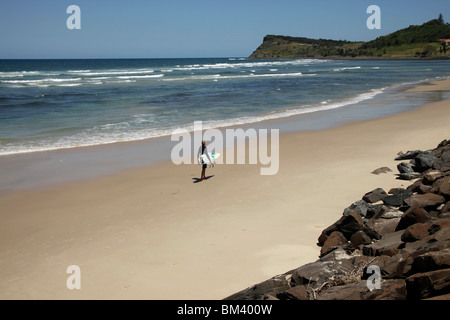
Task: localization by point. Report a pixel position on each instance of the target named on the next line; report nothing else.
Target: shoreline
(262, 118)
(358, 58)
(50, 168)
(151, 233)
(403, 233)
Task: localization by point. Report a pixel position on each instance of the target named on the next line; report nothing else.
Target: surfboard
(203, 159)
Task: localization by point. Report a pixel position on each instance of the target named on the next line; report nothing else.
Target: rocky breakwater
(389, 245)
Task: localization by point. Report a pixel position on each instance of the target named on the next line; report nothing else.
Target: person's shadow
(197, 180)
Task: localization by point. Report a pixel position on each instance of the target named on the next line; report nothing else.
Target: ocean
(59, 104)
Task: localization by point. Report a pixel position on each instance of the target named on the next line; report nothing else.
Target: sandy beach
(151, 233)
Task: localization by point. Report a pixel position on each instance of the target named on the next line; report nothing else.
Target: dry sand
(151, 233)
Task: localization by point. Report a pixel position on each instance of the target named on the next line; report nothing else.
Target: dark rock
(397, 200)
(412, 249)
(446, 208)
(424, 161)
(417, 186)
(391, 213)
(347, 224)
(442, 236)
(324, 235)
(383, 226)
(431, 261)
(334, 240)
(316, 273)
(443, 186)
(435, 213)
(437, 241)
(359, 261)
(412, 216)
(351, 291)
(272, 287)
(428, 284)
(445, 297)
(394, 289)
(374, 211)
(438, 225)
(359, 238)
(269, 297)
(423, 188)
(445, 215)
(396, 266)
(339, 254)
(361, 206)
(405, 261)
(396, 190)
(294, 293)
(408, 155)
(405, 167)
(381, 170)
(370, 232)
(439, 152)
(374, 196)
(416, 232)
(388, 245)
(443, 163)
(431, 176)
(351, 223)
(442, 144)
(387, 265)
(428, 201)
(409, 176)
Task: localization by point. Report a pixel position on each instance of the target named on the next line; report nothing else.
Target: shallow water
(59, 104)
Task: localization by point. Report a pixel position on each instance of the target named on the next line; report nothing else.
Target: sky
(37, 29)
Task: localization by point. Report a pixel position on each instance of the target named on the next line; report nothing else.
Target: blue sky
(191, 28)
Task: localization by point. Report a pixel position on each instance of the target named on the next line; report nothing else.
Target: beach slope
(152, 233)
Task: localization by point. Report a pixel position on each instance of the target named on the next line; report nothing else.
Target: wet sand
(153, 233)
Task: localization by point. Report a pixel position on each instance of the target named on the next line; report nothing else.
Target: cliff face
(413, 42)
(275, 46)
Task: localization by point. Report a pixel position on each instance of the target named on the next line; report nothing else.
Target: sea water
(60, 104)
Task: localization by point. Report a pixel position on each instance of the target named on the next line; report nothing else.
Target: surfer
(203, 151)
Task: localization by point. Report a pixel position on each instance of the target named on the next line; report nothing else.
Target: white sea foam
(69, 85)
(346, 68)
(15, 74)
(115, 72)
(10, 74)
(61, 80)
(78, 71)
(41, 80)
(84, 80)
(129, 130)
(144, 127)
(292, 112)
(237, 65)
(246, 76)
(141, 77)
(23, 74)
(43, 83)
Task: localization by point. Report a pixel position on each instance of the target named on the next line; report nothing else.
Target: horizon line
(231, 57)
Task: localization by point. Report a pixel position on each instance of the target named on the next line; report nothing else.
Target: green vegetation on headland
(419, 42)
